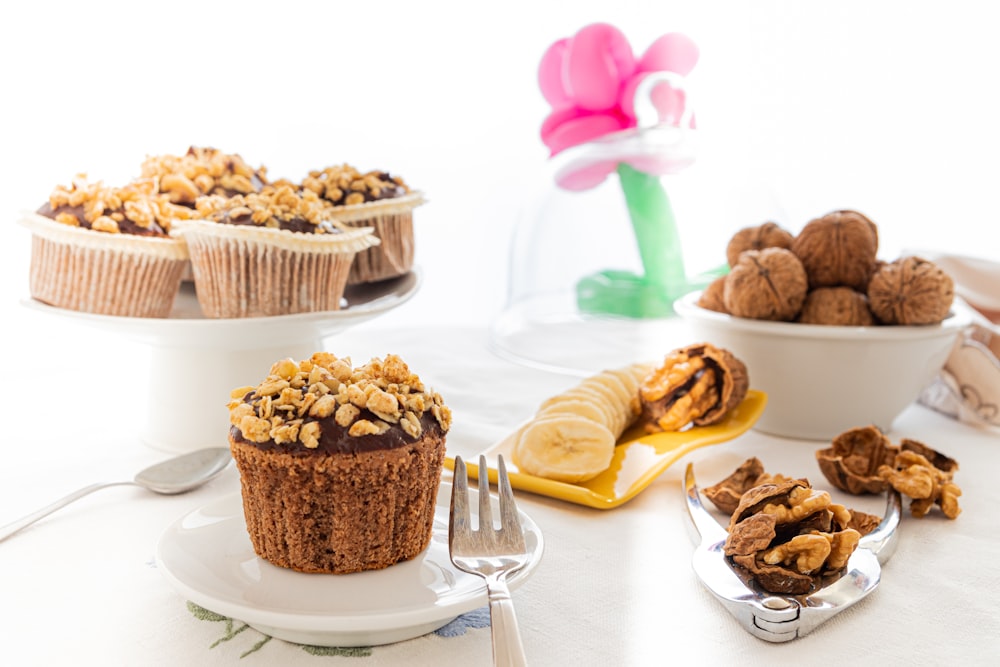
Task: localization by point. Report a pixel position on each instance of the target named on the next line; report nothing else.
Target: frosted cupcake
(339, 466)
(202, 171)
(266, 253)
(106, 250)
(374, 199)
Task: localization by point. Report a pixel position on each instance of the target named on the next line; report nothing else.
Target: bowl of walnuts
(834, 335)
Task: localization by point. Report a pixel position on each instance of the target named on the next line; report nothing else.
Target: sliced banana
(572, 406)
(566, 448)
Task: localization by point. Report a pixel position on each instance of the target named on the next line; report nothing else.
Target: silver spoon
(176, 475)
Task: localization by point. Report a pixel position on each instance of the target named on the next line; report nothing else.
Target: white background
(885, 107)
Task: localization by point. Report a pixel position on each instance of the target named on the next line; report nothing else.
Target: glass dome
(621, 228)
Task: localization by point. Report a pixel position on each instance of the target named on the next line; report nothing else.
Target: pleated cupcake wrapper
(392, 220)
(367, 210)
(106, 274)
(251, 272)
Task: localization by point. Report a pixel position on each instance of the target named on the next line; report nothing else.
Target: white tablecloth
(614, 587)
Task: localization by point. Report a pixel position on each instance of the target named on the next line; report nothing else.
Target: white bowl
(823, 380)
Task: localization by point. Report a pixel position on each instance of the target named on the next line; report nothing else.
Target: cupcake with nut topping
(106, 250)
(339, 466)
(273, 252)
(202, 171)
(374, 199)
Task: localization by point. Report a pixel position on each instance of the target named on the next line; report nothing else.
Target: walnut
(911, 290)
(838, 249)
(915, 475)
(726, 494)
(852, 462)
(767, 284)
(697, 384)
(862, 460)
(711, 297)
(790, 537)
(767, 235)
(839, 306)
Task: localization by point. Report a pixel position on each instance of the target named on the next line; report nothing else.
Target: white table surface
(613, 587)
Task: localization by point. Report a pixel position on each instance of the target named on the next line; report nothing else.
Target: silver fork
(489, 552)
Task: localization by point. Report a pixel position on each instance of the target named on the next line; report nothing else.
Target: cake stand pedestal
(196, 362)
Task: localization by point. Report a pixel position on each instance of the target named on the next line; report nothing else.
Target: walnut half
(697, 385)
(789, 537)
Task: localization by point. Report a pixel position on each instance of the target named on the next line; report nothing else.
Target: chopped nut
(293, 402)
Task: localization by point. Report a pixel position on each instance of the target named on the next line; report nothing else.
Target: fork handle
(508, 651)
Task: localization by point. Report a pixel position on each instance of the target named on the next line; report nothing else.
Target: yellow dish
(639, 459)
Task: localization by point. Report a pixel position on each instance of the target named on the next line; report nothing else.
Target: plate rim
(330, 624)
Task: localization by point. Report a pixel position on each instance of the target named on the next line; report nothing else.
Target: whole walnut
(910, 290)
(767, 284)
(838, 306)
(767, 235)
(711, 297)
(838, 249)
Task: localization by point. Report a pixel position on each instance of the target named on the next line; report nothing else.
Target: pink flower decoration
(590, 80)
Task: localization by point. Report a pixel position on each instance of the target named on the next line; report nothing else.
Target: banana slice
(577, 407)
(587, 395)
(564, 448)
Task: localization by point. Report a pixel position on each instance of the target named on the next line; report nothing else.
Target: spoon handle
(23, 522)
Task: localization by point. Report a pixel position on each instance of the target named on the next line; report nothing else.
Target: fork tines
(487, 534)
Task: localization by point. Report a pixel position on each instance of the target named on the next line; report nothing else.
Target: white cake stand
(196, 361)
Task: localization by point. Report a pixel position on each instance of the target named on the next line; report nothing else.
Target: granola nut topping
(297, 400)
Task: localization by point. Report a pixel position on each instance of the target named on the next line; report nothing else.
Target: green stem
(655, 227)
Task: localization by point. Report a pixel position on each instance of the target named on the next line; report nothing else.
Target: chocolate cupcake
(374, 199)
(106, 250)
(339, 466)
(273, 252)
(202, 171)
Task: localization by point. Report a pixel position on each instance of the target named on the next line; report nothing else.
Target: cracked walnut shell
(767, 235)
(852, 461)
(789, 537)
(910, 290)
(769, 284)
(838, 249)
(696, 384)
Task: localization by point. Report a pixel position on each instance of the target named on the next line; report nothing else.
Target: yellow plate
(639, 459)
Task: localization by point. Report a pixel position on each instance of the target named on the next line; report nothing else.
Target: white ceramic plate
(208, 557)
